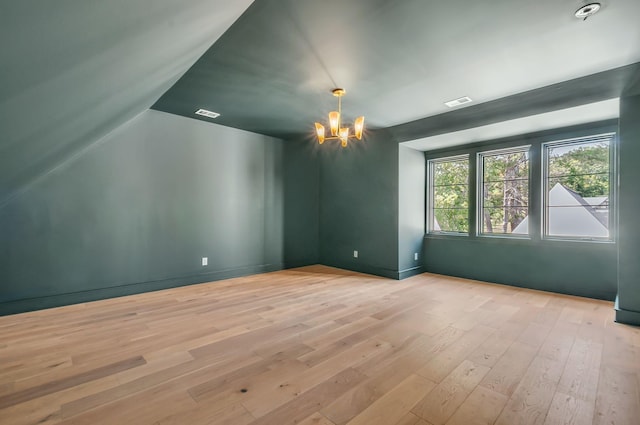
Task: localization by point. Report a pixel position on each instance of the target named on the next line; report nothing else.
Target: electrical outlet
(205, 261)
(355, 254)
(415, 256)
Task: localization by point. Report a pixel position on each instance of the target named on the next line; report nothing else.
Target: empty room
(356, 212)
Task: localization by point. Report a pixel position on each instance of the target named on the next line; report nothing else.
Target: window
(449, 195)
(577, 180)
(556, 187)
(504, 191)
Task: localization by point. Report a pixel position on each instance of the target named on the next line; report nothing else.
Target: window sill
(445, 235)
(578, 240)
(505, 236)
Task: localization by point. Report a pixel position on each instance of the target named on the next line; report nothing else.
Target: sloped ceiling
(73, 70)
(399, 60)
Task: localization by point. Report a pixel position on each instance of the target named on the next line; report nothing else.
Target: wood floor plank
(482, 407)
(382, 380)
(284, 390)
(316, 419)
(307, 403)
(535, 334)
(72, 381)
(136, 409)
(492, 349)
(618, 399)
(408, 419)
(322, 346)
(530, 401)
(394, 405)
(223, 366)
(451, 357)
(582, 371)
(441, 403)
(203, 414)
(505, 376)
(568, 410)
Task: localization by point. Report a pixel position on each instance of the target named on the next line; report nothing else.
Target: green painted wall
(359, 204)
(629, 212)
(411, 210)
(137, 211)
(302, 203)
(571, 268)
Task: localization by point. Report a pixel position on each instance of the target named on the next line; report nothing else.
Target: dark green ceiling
(272, 71)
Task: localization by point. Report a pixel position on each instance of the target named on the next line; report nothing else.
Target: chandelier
(335, 124)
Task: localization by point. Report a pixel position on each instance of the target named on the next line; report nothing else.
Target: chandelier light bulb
(358, 127)
(334, 122)
(320, 133)
(344, 135)
(337, 131)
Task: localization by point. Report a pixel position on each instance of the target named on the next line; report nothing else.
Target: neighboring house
(572, 215)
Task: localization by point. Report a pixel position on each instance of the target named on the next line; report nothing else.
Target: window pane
(451, 172)
(578, 189)
(505, 192)
(449, 195)
(505, 220)
(456, 196)
(578, 158)
(506, 166)
(452, 220)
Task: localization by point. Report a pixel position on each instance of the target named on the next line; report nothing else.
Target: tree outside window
(449, 195)
(505, 190)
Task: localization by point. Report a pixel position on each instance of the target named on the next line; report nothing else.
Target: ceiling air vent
(207, 114)
(459, 101)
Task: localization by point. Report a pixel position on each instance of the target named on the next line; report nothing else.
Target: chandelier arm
(338, 137)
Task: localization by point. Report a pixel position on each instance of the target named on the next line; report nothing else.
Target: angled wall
(72, 71)
(139, 209)
(628, 305)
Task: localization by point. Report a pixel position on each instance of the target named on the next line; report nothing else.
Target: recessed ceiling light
(587, 10)
(207, 114)
(459, 101)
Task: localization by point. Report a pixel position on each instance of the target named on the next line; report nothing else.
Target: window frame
(544, 187)
(430, 216)
(535, 139)
(479, 195)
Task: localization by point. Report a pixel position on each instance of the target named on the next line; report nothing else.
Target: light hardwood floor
(326, 347)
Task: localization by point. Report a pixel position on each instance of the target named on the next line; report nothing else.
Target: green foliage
(451, 195)
(582, 168)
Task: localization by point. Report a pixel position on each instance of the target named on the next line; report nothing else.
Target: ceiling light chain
(335, 120)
